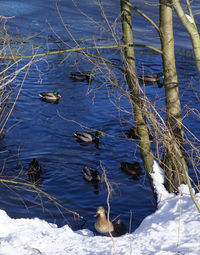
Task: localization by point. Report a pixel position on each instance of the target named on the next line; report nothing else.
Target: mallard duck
(119, 228)
(134, 169)
(81, 76)
(50, 97)
(90, 174)
(132, 133)
(34, 170)
(88, 137)
(102, 225)
(2, 135)
(151, 79)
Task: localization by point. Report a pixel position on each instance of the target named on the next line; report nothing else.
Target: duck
(103, 225)
(119, 228)
(50, 97)
(88, 137)
(152, 79)
(134, 169)
(90, 174)
(132, 133)
(81, 76)
(34, 170)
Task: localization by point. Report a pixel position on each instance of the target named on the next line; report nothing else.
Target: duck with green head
(81, 76)
(50, 97)
(152, 79)
(88, 137)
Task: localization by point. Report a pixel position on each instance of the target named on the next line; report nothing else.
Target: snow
(189, 18)
(172, 229)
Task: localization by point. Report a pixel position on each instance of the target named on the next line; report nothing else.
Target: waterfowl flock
(54, 96)
(103, 225)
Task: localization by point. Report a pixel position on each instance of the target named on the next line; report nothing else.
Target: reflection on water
(46, 132)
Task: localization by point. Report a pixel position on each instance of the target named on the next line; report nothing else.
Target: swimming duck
(151, 79)
(50, 97)
(34, 170)
(88, 137)
(132, 133)
(119, 228)
(90, 175)
(81, 76)
(134, 169)
(102, 225)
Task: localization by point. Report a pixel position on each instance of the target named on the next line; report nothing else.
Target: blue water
(45, 131)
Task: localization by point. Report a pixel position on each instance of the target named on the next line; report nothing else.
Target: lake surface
(45, 131)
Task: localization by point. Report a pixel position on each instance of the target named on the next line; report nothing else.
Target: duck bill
(96, 214)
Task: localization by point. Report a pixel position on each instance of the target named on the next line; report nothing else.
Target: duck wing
(84, 136)
(87, 173)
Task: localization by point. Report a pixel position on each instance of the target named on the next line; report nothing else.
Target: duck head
(98, 133)
(57, 94)
(159, 75)
(89, 73)
(100, 211)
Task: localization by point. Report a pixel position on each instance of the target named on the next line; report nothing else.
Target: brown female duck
(103, 225)
(134, 169)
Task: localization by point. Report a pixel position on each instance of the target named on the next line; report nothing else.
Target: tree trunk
(134, 88)
(191, 28)
(173, 161)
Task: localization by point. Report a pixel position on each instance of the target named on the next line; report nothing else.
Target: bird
(132, 133)
(50, 97)
(119, 228)
(90, 174)
(152, 79)
(134, 169)
(81, 76)
(88, 137)
(34, 170)
(102, 225)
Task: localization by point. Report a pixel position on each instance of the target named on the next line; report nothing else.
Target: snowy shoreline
(172, 229)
